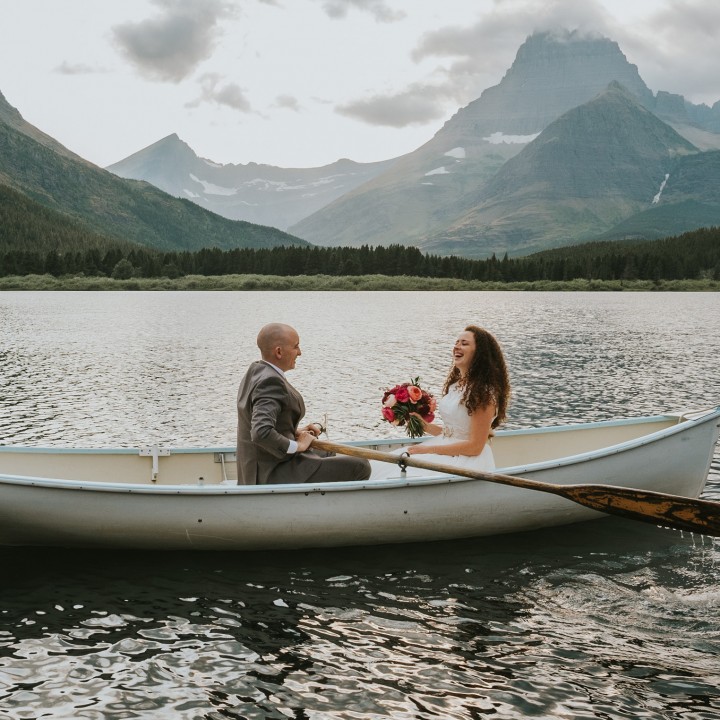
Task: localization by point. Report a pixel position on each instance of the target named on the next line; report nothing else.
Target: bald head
(279, 344)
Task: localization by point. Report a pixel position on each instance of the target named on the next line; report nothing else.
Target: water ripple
(605, 621)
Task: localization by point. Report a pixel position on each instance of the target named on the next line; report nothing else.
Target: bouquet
(400, 401)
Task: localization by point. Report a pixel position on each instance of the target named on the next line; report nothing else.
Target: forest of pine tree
(41, 241)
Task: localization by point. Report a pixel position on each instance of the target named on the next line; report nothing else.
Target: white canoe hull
(178, 511)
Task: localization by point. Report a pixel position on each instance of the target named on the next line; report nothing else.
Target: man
(270, 446)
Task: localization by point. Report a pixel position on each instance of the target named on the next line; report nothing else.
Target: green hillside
(27, 225)
(124, 210)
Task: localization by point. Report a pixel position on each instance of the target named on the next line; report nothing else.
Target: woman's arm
(480, 428)
(429, 428)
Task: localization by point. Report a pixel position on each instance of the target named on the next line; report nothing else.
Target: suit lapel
(298, 402)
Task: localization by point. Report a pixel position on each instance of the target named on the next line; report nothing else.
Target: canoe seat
(228, 464)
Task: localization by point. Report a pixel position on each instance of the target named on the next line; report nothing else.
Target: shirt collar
(276, 368)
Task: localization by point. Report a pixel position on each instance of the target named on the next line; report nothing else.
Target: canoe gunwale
(683, 426)
(40, 450)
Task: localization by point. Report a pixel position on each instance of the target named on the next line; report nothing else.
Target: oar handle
(446, 469)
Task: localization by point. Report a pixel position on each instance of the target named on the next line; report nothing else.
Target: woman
(474, 402)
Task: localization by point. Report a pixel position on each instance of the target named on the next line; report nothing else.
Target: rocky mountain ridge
(262, 194)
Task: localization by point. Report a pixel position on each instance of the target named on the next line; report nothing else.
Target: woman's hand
(429, 428)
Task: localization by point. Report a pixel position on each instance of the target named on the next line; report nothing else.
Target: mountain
(455, 195)
(596, 165)
(37, 166)
(428, 189)
(261, 194)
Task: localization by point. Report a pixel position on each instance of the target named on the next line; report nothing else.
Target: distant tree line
(693, 255)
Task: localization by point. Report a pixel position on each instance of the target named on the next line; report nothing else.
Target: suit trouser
(329, 468)
(341, 468)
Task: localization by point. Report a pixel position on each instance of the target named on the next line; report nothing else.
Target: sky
(302, 83)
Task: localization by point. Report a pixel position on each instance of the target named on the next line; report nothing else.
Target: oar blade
(680, 513)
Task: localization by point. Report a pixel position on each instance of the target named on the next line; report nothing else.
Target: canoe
(188, 498)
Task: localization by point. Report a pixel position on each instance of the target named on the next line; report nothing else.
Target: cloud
(66, 68)
(483, 51)
(287, 102)
(678, 49)
(214, 91)
(470, 59)
(673, 44)
(338, 9)
(169, 46)
(417, 105)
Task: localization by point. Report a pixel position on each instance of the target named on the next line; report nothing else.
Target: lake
(608, 619)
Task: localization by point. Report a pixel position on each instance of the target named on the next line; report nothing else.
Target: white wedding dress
(456, 426)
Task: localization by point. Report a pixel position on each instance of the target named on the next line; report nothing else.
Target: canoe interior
(213, 466)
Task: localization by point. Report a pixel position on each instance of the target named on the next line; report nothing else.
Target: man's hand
(304, 439)
(313, 428)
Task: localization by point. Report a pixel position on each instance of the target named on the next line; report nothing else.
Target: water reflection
(528, 627)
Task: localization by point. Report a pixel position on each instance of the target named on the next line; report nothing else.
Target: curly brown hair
(487, 379)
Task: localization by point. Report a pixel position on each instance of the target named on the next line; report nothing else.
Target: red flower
(401, 394)
(388, 414)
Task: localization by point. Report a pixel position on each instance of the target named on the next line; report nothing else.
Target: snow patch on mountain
(499, 137)
(211, 189)
(265, 185)
(458, 153)
(656, 199)
(438, 171)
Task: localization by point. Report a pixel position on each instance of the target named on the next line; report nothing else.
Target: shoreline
(342, 283)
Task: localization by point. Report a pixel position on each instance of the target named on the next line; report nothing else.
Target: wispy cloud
(215, 90)
(66, 68)
(170, 45)
(417, 105)
(378, 8)
(287, 102)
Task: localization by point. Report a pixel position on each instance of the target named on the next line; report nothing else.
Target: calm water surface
(611, 619)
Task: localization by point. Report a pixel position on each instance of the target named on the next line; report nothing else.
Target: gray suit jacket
(269, 410)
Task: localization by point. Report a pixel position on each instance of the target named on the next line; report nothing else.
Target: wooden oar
(674, 511)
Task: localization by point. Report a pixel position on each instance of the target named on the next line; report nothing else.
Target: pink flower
(402, 395)
(390, 400)
(388, 414)
(414, 393)
(429, 417)
(433, 404)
